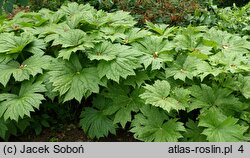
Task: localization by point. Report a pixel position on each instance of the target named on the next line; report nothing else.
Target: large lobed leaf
(135, 35)
(220, 128)
(103, 51)
(190, 67)
(116, 60)
(96, 124)
(153, 125)
(191, 39)
(158, 95)
(206, 97)
(228, 43)
(124, 103)
(9, 43)
(156, 51)
(233, 50)
(75, 8)
(73, 81)
(71, 41)
(13, 106)
(184, 67)
(31, 66)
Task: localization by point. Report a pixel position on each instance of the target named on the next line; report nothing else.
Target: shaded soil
(70, 133)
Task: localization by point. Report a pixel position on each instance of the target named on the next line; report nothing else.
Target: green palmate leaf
(239, 83)
(124, 103)
(233, 51)
(219, 128)
(72, 37)
(73, 81)
(74, 8)
(103, 51)
(84, 14)
(121, 18)
(153, 125)
(182, 96)
(51, 32)
(72, 40)
(182, 68)
(3, 128)
(191, 39)
(53, 17)
(32, 66)
(138, 79)
(9, 43)
(112, 33)
(233, 82)
(12, 68)
(123, 65)
(162, 29)
(206, 97)
(189, 67)
(36, 47)
(66, 53)
(96, 124)
(158, 95)
(156, 51)
(13, 106)
(228, 43)
(159, 29)
(74, 20)
(234, 63)
(95, 18)
(193, 133)
(27, 21)
(203, 69)
(135, 34)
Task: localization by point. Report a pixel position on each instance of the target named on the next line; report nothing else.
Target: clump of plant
(232, 19)
(163, 11)
(160, 11)
(161, 83)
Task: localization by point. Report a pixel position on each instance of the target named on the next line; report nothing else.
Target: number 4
(241, 149)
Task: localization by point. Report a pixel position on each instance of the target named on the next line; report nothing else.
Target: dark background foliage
(173, 12)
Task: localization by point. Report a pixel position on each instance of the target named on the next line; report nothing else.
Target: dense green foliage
(163, 83)
(173, 12)
(231, 19)
(8, 5)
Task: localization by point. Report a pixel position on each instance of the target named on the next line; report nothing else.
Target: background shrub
(161, 11)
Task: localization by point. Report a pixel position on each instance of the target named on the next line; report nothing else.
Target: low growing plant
(162, 83)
